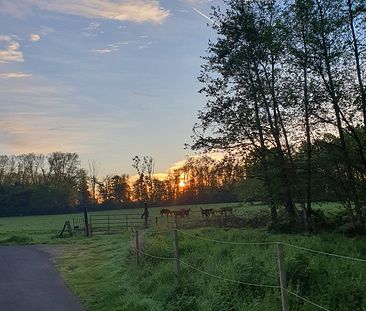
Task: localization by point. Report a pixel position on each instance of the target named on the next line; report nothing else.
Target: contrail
(202, 14)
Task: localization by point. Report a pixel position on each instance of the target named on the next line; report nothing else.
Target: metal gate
(111, 224)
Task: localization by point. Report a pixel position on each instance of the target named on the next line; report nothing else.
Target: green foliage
(18, 239)
(37, 184)
(102, 269)
(106, 277)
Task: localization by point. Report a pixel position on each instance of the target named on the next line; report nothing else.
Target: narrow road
(29, 282)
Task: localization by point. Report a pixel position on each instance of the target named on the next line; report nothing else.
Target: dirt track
(29, 282)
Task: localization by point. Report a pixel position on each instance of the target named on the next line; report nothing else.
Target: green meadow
(45, 229)
(103, 272)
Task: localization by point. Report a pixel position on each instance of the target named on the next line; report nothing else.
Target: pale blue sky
(106, 79)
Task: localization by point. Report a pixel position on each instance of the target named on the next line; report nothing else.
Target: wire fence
(282, 273)
(272, 243)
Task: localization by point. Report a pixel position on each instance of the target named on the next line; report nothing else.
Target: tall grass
(104, 273)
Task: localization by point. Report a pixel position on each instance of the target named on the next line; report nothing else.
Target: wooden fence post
(282, 276)
(90, 226)
(176, 255)
(108, 226)
(137, 247)
(146, 216)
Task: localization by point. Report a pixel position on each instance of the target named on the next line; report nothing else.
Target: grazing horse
(185, 211)
(207, 212)
(166, 212)
(181, 213)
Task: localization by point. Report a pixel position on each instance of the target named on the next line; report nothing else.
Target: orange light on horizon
(182, 184)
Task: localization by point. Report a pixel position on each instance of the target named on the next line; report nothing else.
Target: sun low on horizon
(105, 79)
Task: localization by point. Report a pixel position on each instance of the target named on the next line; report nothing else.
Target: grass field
(44, 229)
(102, 270)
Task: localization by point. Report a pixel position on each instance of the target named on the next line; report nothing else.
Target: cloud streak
(203, 14)
(14, 75)
(102, 51)
(139, 11)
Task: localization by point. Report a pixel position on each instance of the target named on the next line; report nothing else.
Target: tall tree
(245, 91)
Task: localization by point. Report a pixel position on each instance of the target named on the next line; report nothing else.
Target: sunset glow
(182, 184)
(104, 79)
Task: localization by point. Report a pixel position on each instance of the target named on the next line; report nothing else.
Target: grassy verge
(102, 272)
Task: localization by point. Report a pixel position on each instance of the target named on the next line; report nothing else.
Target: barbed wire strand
(227, 242)
(156, 231)
(322, 253)
(274, 242)
(231, 280)
(306, 300)
(226, 279)
(153, 256)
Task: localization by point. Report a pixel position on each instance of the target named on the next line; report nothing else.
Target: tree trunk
(357, 61)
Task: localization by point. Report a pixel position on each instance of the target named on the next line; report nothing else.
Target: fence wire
(226, 242)
(226, 279)
(273, 243)
(323, 253)
(306, 300)
(248, 243)
(232, 280)
(153, 256)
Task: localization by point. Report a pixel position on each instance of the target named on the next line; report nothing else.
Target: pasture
(44, 229)
(102, 270)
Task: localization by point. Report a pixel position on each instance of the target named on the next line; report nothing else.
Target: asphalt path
(29, 282)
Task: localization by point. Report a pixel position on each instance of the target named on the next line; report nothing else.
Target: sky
(107, 79)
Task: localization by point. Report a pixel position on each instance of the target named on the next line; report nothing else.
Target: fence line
(227, 242)
(226, 279)
(153, 256)
(323, 253)
(271, 243)
(231, 280)
(306, 300)
(157, 231)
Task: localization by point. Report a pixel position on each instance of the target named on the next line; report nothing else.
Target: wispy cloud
(5, 38)
(34, 37)
(45, 30)
(91, 30)
(11, 52)
(123, 10)
(102, 51)
(92, 26)
(14, 75)
(41, 116)
(113, 47)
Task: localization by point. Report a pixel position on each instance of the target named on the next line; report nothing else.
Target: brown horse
(185, 211)
(166, 212)
(181, 213)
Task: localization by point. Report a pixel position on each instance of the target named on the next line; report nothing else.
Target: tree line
(32, 184)
(284, 83)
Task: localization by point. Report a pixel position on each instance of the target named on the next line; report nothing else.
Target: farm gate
(107, 224)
